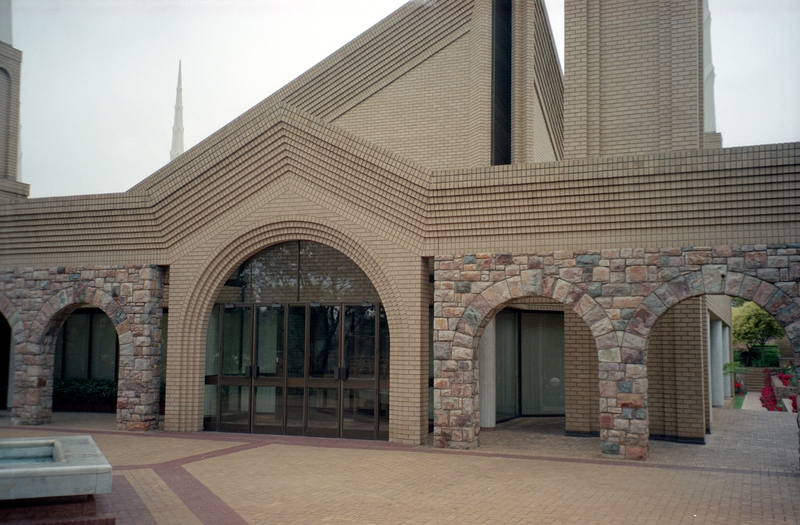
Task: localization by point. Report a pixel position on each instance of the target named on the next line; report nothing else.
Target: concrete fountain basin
(52, 467)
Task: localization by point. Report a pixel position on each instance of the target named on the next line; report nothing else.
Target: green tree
(754, 327)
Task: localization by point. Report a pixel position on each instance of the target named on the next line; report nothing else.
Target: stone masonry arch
(714, 281)
(620, 293)
(14, 320)
(129, 295)
(470, 290)
(194, 310)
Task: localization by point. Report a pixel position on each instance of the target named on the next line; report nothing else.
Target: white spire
(177, 126)
(5, 22)
(709, 110)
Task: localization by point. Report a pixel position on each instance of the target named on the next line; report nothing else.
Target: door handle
(248, 371)
(257, 371)
(344, 373)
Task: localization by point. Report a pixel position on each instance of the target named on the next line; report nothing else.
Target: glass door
(323, 384)
(359, 376)
(235, 369)
(299, 369)
(268, 370)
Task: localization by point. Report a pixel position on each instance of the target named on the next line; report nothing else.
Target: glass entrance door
(302, 369)
(323, 384)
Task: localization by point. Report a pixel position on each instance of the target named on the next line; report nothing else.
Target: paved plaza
(527, 471)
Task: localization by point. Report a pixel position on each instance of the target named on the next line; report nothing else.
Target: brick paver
(525, 472)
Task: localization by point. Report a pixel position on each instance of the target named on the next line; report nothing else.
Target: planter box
(782, 392)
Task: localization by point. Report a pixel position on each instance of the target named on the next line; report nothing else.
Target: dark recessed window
(86, 347)
(501, 82)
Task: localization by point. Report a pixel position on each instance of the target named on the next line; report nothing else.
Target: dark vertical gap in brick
(501, 82)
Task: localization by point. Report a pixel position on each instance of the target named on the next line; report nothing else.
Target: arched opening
(6, 365)
(298, 343)
(534, 356)
(686, 355)
(86, 362)
(691, 399)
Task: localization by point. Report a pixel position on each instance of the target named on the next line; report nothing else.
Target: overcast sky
(99, 76)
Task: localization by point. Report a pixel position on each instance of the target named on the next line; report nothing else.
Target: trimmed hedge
(99, 391)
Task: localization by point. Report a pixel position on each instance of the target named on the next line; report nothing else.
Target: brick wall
(537, 89)
(423, 115)
(580, 363)
(634, 78)
(677, 373)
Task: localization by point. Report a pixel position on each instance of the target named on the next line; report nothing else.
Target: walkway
(526, 472)
(752, 401)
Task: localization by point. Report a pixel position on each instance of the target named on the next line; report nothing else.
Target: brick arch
(711, 281)
(195, 310)
(210, 280)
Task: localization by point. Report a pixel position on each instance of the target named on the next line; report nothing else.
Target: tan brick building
(430, 223)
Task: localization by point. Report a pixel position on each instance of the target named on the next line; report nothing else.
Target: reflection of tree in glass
(271, 274)
(359, 340)
(326, 273)
(324, 340)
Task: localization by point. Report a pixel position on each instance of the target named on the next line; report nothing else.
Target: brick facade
(382, 152)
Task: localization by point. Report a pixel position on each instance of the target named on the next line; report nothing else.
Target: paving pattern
(527, 471)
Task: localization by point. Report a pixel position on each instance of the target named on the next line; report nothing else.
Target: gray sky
(99, 76)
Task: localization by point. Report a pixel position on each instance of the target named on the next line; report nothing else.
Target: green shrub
(84, 390)
(769, 356)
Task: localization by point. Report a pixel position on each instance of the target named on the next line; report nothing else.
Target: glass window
(297, 341)
(384, 357)
(269, 341)
(86, 347)
(298, 271)
(323, 357)
(76, 349)
(270, 275)
(236, 339)
(327, 274)
(104, 347)
(359, 342)
(212, 343)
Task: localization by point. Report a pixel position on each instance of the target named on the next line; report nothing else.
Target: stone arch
(13, 317)
(35, 406)
(466, 301)
(17, 329)
(711, 280)
(50, 316)
(531, 283)
(206, 285)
